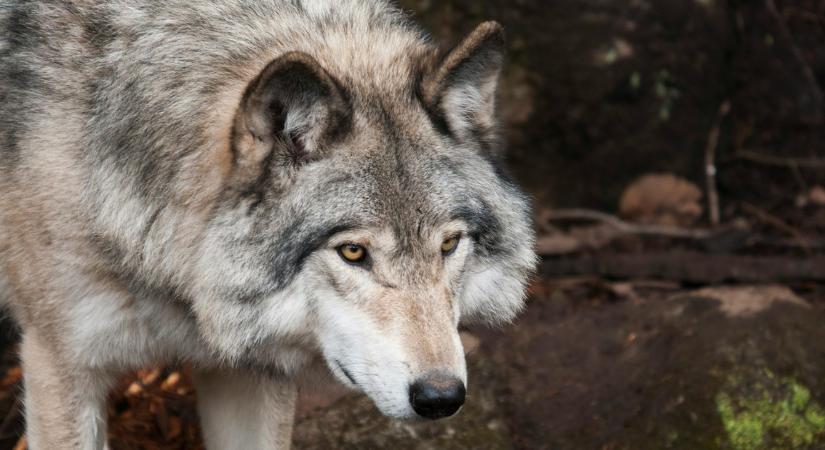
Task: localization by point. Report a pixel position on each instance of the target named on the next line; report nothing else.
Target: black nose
(437, 395)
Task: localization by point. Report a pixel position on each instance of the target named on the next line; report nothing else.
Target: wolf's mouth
(345, 372)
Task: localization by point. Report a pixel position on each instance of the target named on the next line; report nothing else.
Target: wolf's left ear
(291, 108)
(462, 88)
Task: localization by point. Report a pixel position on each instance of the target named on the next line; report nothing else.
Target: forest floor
(590, 365)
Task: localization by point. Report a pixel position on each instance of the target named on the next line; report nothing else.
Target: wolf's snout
(437, 395)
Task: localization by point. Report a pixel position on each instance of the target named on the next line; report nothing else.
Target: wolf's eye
(449, 245)
(352, 253)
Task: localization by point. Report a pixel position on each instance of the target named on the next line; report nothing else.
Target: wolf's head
(368, 222)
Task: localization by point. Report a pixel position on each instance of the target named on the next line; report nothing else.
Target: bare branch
(779, 224)
(560, 243)
(769, 160)
(627, 227)
(710, 163)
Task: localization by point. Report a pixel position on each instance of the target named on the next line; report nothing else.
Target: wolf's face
(390, 289)
(369, 227)
(388, 316)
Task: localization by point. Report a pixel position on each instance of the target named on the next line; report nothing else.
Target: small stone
(817, 196)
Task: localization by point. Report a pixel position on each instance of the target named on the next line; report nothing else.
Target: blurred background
(675, 150)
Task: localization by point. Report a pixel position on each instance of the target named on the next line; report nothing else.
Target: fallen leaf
(134, 389)
(171, 381)
(149, 377)
(22, 444)
(13, 376)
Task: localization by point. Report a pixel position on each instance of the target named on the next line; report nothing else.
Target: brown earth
(590, 365)
(593, 366)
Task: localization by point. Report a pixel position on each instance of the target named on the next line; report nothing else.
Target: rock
(743, 301)
(661, 199)
(816, 196)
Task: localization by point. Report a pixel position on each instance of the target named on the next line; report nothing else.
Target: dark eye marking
(485, 227)
(295, 244)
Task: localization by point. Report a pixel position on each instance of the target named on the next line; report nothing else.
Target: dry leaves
(154, 410)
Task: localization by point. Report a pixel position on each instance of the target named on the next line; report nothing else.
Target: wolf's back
(114, 114)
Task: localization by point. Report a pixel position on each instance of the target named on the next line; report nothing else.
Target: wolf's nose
(435, 396)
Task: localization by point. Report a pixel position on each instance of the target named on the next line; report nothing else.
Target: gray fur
(173, 175)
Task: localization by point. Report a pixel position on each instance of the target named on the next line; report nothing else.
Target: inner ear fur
(293, 107)
(461, 89)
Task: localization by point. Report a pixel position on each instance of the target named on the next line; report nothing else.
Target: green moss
(769, 414)
(800, 396)
(815, 416)
(744, 430)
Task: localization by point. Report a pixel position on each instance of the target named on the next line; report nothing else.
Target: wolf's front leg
(65, 405)
(242, 410)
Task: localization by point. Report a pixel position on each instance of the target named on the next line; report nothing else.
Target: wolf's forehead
(415, 191)
(401, 172)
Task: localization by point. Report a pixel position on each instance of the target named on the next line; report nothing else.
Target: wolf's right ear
(462, 88)
(292, 107)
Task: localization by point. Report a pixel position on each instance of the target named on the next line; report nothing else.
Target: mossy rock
(762, 411)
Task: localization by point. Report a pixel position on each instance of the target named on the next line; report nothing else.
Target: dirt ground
(590, 365)
(617, 349)
(623, 366)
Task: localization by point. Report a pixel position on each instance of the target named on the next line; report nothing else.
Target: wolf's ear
(462, 88)
(292, 107)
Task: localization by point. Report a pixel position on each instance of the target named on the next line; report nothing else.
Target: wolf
(254, 188)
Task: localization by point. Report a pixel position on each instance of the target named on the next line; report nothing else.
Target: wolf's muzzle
(437, 395)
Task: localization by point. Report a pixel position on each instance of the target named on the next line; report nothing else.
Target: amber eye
(449, 245)
(352, 253)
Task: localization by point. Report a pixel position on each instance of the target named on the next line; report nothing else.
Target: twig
(779, 224)
(807, 72)
(559, 243)
(800, 180)
(710, 163)
(627, 227)
(768, 160)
